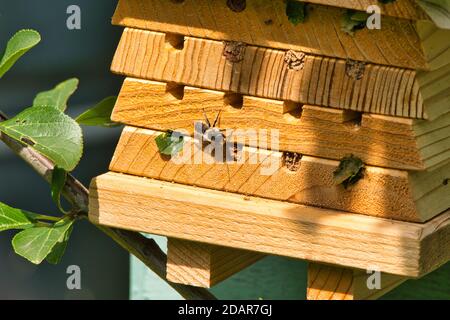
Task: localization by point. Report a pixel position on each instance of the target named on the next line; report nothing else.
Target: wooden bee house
(381, 95)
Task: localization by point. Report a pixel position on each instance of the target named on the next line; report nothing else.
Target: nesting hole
(177, 1)
(446, 182)
(293, 109)
(237, 5)
(175, 90)
(353, 118)
(235, 100)
(174, 41)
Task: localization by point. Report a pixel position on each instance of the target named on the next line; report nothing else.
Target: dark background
(62, 54)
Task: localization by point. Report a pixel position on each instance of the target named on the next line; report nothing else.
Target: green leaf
(17, 46)
(169, 143)
(55, 256)
(58, 96)
(11, 218)
(296, 11)
(438, 11)
(50, 132)
(353, 20)
(36, 244)
(349, 172)
(59, 177)
(99, 115)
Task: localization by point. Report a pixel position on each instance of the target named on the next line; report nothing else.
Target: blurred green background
(86, 54)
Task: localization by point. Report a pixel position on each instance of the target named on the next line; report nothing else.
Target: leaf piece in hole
(50, 132)
(349, 171)
(17, 46)
(99, 115)
(37, 243)
(58, 96)
(58, 182)
(353, 20)
(296, 11)
(170, 143)
(12, 218)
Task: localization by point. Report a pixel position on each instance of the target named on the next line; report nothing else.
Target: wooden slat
(388, 193)
(311, 130)
(268, 226)
(407, 9)
(265, 73)
(326, 282)
(265, 23)
(204, 265)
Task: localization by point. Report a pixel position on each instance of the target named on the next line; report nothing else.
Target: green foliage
(58, 96)
(353, 20)
(37, 243)
(59, 177)
(350, 171)
(19, 44)
(99, 115)
(296, 11)
(11, 218)
(55, 256)
(50, 132)
(45, 128)
(169, 143)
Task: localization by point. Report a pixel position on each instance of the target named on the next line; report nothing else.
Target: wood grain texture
(326, 282)
(271, 73)
(322, 132)
(265, 23)
(268, 226)
(204, 265)
(407, 9)
(394, 194)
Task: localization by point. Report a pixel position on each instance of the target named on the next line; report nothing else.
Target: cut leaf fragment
(353, 20)
(170, 143)
(296, 11)
(350, 171)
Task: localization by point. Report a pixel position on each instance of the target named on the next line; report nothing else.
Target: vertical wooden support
(204, 265)
(326, 282)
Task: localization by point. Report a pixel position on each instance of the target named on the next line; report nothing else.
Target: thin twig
(146, 250)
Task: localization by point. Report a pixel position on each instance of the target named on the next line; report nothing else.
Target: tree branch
(146, 250)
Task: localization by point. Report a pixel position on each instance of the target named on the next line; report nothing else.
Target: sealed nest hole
(234, 51)
(292, 160)
(294, 60)
(355, 69)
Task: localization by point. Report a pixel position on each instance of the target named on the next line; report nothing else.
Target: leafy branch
(52, 144)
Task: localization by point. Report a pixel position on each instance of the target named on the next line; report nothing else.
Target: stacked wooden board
(381, 96)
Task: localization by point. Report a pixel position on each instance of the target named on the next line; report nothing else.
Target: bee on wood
(216, 143)
(211, 134)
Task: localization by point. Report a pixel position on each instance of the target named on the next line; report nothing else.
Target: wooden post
(326, 282)
(204, 265)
